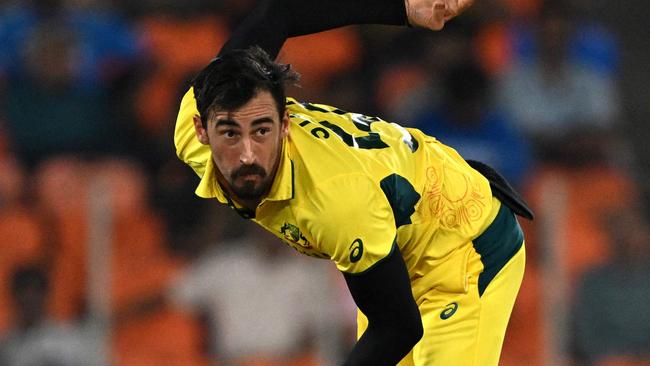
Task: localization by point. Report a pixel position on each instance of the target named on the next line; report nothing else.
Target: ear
(284, 124)
(201, 132)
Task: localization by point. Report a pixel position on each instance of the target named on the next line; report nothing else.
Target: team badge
(292, 233)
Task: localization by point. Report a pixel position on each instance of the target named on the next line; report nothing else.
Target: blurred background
(108, 258)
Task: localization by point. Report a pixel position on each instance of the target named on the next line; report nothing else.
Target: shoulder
(346, 194)
(188, 147)
(350, 219)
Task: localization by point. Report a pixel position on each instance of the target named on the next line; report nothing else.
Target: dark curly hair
(233, 78)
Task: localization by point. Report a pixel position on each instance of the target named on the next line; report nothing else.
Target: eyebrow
(226, 122)
(233, 123)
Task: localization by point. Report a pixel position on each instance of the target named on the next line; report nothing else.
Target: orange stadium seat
(12, 180)
(178, 47)
(22, 243)
(494, 47)
(590, 192)
(21, 235)
(306, 359)
(317, 57)
(524, 338)
(140, 264)
(397, 82)
(61, 190)
(164, 337)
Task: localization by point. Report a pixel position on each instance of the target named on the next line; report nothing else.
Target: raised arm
(273, 21)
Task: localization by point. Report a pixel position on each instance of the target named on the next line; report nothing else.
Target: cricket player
(427, 242)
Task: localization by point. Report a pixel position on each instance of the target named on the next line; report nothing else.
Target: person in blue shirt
(467, 120)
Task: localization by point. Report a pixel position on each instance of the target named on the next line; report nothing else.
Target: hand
(433, 14)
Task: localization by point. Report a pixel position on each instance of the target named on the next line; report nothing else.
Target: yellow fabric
(474, 333)
(327, 200)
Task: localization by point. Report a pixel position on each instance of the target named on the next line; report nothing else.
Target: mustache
(248, 170)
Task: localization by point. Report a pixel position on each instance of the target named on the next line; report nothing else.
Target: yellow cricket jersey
(349, 186)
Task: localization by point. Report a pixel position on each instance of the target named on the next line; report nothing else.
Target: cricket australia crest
(292, 233)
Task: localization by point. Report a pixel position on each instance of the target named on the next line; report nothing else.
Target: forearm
(273, 21)
(385, 346)
(313, 16)
(383, 294)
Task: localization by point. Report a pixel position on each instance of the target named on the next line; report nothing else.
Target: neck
(249, 204)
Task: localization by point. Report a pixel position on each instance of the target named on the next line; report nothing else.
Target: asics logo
(450, 309)
(356, 250)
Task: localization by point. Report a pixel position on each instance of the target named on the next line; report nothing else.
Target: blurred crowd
(108, 258)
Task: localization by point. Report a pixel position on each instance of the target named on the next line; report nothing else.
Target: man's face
(246, 144)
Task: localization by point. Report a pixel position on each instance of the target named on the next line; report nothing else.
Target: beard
(249, 190)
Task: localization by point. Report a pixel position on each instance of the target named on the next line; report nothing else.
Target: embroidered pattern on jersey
(462, 204)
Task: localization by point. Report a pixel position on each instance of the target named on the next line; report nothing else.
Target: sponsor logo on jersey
(356, 250)
(450, 309)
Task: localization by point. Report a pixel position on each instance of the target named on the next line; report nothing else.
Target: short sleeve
(188, 147)
(351, 221)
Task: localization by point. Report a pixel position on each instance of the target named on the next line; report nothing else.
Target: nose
(246, 156)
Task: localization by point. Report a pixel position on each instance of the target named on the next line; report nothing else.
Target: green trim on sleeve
(402, 197)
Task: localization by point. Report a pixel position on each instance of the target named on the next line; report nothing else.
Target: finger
(460, 7)
(452, 7)
(463, 5)
(449, 15)
(438, 15)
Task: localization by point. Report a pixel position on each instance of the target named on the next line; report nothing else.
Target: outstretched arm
(273, 21)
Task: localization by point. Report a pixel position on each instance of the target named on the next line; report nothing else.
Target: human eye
(229, 134)
(263, 131)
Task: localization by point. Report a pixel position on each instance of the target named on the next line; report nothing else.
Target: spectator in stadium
(67, 119)
(467, 120)
(36, 339)
(612, 324)
(385, 203)
(590, 43)
(410, 82)
(106, 46)
(292, 322)
(58, 66)
(552, 94)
